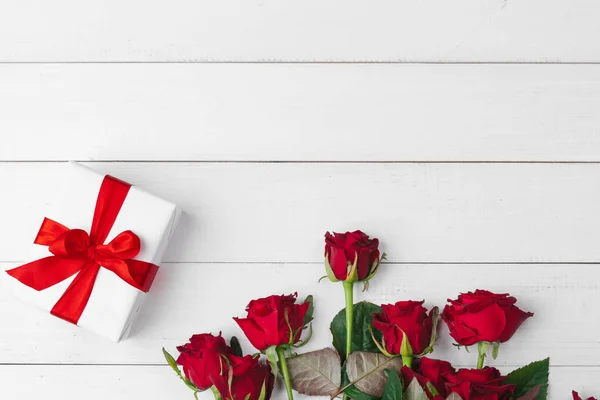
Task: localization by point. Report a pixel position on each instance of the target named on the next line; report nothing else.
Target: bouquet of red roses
(379, 351)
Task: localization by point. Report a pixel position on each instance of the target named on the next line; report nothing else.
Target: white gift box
(114, 304)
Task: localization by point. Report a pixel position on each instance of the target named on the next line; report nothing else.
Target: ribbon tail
(143, 272)
(46, 272)
(139, 274)
(49, 232)
(72, 303)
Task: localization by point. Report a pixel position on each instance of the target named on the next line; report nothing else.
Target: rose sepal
(380, 346)
(495, 348)
(374, 269)
(216, 393)
(435, 313)
(406, 351)
(329, 271)
(352, 270)
(306, 340)
(263, 391)
(271, 353)
(173, 364)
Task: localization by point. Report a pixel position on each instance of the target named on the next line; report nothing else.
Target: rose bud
(202, 358)
(351, 256)
(407, 328)
(274, 321)
(431, 375)
(245, 379)
(576, 396)
(483, 317)
(479, 384)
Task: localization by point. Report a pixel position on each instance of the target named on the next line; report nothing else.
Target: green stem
(285, 371)
(349, 292)
(480, 359)
(482, 348)
(407, 361)
(349, 295)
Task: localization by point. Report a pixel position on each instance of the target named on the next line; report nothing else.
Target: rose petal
(339, 263)
(487, 323)
(514, 318)
(253, 332)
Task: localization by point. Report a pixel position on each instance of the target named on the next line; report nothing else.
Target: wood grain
(273, 212)
(365, 112)
(313, 30)
(196, 298)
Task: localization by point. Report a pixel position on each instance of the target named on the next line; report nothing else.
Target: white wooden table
(464, 134)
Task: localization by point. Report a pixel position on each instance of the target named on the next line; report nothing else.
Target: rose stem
(480, 359)
(407, 361)
(482, 348)
(285, 372)
(349, 292)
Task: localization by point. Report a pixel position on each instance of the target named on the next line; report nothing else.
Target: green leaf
(318, 373)
(393, 387)
(234, 343)
(352, 391)
(414, 391)
(532, 394)
(308, 317)
(527, 377)
(367, 371)
(361, 337)
(356, 394)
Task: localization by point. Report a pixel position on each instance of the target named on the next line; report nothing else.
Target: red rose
(429, 371)
(245, 379)
(202, 358)
(483, 317)
(408, 317)
(479, 384)
(269, 321)
(344, 250)
(576, 396)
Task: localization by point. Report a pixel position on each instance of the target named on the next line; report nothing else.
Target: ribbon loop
(76, 252)
(73, 243)
(126, 245)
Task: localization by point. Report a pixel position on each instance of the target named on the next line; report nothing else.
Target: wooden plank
(149, 382)
(300, 112)
(195, 298)
(273, 212)
(276, 30)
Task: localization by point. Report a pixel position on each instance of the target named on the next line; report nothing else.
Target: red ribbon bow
(74, 251)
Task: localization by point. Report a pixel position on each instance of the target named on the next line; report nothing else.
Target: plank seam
(316, 62)
(144, 161)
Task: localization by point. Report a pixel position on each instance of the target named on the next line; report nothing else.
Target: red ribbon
(74, 251)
